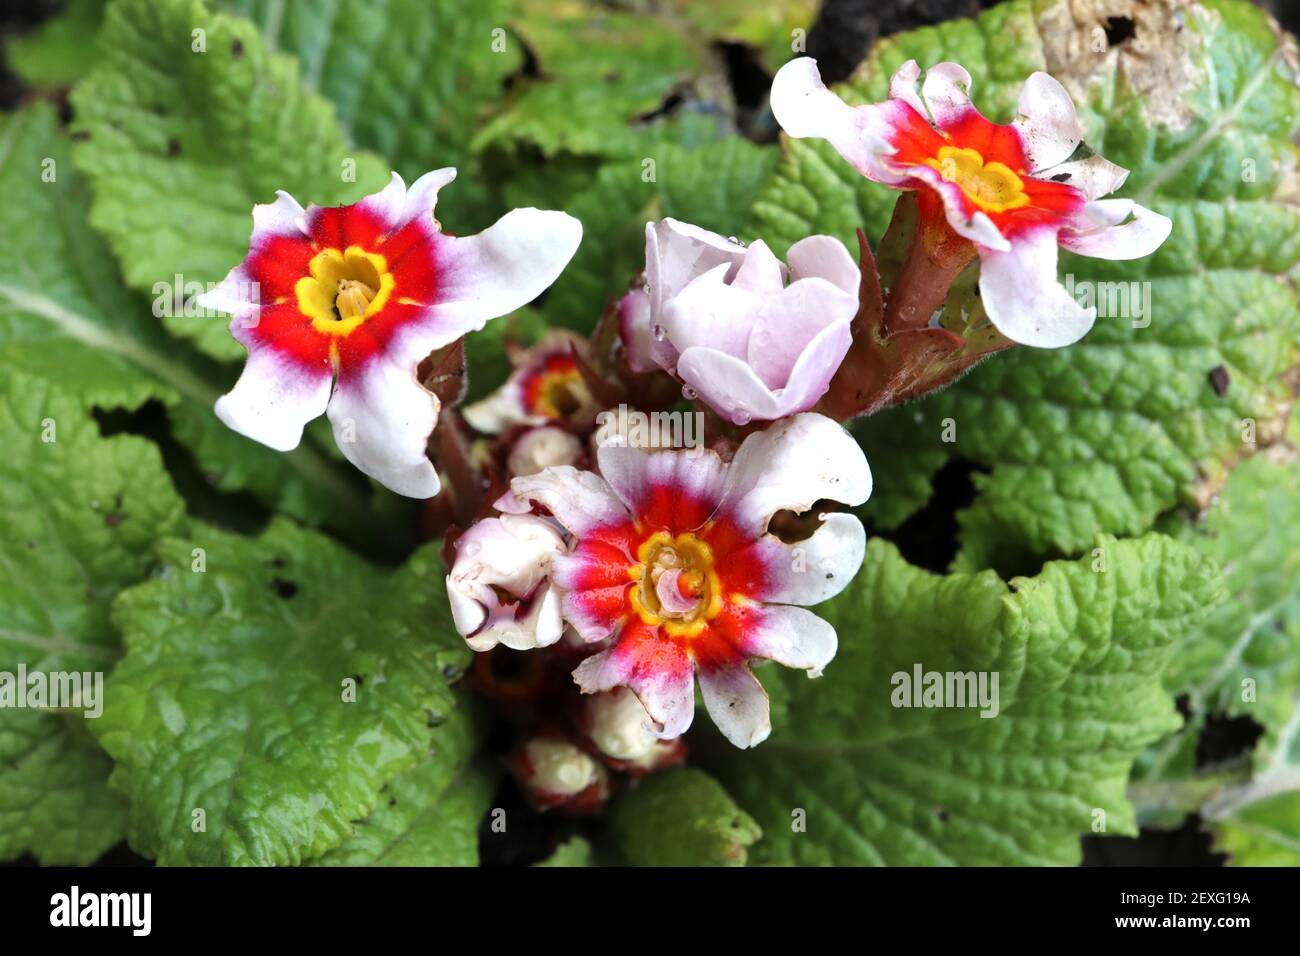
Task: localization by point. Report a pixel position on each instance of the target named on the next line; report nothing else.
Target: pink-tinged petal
(792, 465)
(1120, 229)
(634, 330)
(274, 398)
(792, 636)
(809, 571)
(804, 107)
(1047, 122)
(791, 331)
(382, 418)
(824, 257)
(962, 215)
(595, 613)
(946, 91)
(657, 671)
(510, 554)
(422, 197)
(675, 254)
(675, 490)
(761, 272)
(580, 500)
(902, 86)
(501, 269)
(737, 703)
(709, 313)
(1023, 298)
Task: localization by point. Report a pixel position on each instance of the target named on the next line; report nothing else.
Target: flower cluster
(659, 504)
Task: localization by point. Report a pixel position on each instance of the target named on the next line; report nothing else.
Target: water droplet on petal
(472, 548)
(689, 393)
(741, 417)
(659, 332)
(735, 242)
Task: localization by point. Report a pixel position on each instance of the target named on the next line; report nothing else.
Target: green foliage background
(1125, 546)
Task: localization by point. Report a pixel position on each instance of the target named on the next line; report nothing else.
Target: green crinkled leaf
(601, 70)
(410, 79)
(1107, 434)
(231, 698)
(429, 815)
(183, 142)
(61, 49)
(78, 517)
(66, 319)
(712, 185)
(682, 817)
(848, 778)
(772, 28)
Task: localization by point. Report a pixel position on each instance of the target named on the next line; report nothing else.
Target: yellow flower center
(992, 187)
(677, 587)
(561, 394)
(344, 289)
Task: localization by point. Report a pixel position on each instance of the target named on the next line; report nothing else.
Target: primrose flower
(671, 555)
(544, 447)
(338, 306)
(723, 319)
(546, 386)
(1015, 191)
(498, 587)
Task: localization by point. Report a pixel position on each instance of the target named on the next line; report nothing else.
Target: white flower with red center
(672, 556)
(1014, 191)
(723, 319)
(337, 307)
(546, 386)
(498, 587)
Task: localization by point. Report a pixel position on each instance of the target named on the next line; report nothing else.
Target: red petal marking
(536, 378)
(602, 608)
(290, 333)
(412, 255)
(646, 655)
(373, 336)
(276, 264)
(738, 564)
(337, 227)
(917, 141)
(994, 142)
(602, 558)
(912, 136)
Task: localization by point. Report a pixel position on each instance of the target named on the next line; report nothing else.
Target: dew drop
(689, 393)
(472, 548)
(735, 242)
(741, 417)
(659, 332)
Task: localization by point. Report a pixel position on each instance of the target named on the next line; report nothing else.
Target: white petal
(793, 636)
(710, 313)
(824, 257)
(696, 475)
(542, 448)
(1048, 124)
(946, 91)
(274, 398)
(902, 86)
(1094, 176)
(237, 294)
(667, 692)
(737, 703)
(794, 464)
(676, 253)
(634, 329)
(500, 411)
(382, 420)
(501, 269)
(1117, 238)
(580, 500)
(804, 107)
(284, 217)
(1023, 298)
(761, 272)
(815, 569)
(422, 197)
